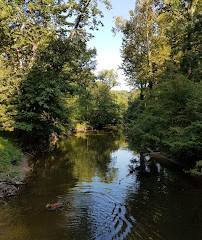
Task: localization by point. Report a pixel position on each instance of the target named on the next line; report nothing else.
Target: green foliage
(161, 57)
(169, 118)
(145, 46)
(86, 13)
(7, 97)
(197, 171)
(98, 106)
(121, 98)
(61, 70)
(9, 153)
(184, 31)
(123, 94)
(81, 127)
(104, 109)
(14, 173)
(44, 60)
(110, 77)
(41, 109)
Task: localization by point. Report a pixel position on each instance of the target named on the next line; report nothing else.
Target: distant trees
(98, 106)
(110, 77)
(104, 109)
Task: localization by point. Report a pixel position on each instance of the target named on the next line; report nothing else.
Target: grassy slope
(10, 155)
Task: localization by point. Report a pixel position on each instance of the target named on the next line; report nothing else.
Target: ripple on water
(105, 211)
(153, 202)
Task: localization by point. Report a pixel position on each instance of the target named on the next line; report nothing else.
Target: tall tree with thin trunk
(145, 47)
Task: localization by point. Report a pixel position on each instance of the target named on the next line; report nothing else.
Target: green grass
(9, 154)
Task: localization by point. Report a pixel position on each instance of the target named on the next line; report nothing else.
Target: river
(108, 192)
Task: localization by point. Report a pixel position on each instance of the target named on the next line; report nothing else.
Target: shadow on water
(167, 203)
(108, 192)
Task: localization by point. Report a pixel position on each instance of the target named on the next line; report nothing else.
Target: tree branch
(78, 20)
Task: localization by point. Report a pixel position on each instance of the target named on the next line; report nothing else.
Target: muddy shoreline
(10, 187)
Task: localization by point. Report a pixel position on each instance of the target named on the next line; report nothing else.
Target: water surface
(108, 192)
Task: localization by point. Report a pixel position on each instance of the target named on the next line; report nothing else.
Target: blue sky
(108, 47)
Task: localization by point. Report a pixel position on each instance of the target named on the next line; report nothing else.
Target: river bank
(14, 167)
(90, 175)
(13, 177)
(10, 185)
(164, 157)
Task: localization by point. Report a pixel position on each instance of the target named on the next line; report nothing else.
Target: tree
(184, 31)
(104, 110)
(163, 52)
(145, 47)
(86, 12)
(7, 97)
(110, 77)
(46, 61)
(121, 98)
(170, 119)
(27, 28)
(60, 72)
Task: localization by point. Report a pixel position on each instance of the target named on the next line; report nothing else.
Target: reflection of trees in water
(75, 160)
(90, 156)
(163, 205)
(78, 158)
(52, 170)
(16, 228)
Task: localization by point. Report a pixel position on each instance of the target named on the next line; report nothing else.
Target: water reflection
(108, 192)
(91, 157)
(166, 204)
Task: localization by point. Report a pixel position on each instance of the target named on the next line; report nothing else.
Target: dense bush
(169, 118)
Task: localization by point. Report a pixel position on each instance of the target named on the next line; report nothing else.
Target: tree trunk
(33, 57)
(78, 20)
